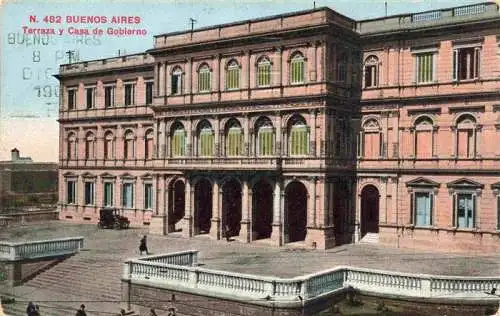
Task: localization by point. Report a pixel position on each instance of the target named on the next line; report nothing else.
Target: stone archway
(176, 202)
(369, 210)
(231, 207)
(203, 206)
(262, 210)
(295, 212)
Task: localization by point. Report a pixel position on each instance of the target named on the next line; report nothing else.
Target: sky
(28, 61)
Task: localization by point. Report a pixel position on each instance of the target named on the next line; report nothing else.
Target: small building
(27, 184)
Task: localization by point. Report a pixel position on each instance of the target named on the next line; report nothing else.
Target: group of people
(34, 310)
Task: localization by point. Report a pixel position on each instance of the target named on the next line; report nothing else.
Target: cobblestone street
(98, 266)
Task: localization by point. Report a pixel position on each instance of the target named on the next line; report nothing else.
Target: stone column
(245, 232)
(216, 227)
(279, 138)
(161, 79)
(357, 225)
(187, 221)
(218, 139)
(312, 145)
(277, 233)
(383, 200)
(246, 136)
(189, 139)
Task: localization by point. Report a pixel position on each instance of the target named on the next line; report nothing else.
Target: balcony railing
(185, 275)
(14, 251)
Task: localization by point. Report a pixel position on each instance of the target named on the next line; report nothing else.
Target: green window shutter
(266, 143)
(299, 140)
(234, 142)
(206, 142)
(297, 70)
(178, 143)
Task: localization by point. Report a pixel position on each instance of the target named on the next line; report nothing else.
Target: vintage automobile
(111, 218)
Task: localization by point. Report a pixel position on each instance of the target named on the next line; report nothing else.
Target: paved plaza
(96, 280)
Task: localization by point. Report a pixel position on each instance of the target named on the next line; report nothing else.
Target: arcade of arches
(257, 207)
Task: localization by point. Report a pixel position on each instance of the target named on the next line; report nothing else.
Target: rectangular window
(129, 94)
(466, 63)
(71, 192)
(108, 194)
(128, 195)
(206, 143)
(149, 92)
(233, 78)
(148, 196)
(176, 83)
(297, 71)
(423, 208)
(71, 99)
(89, 193)
(266, 142)
(299, 141)
(204, 80)
(90, 92)
(465, 210)
(179, 143)
(370, 76)
(109, 96)
(498, 212)
(264, 74)
(425, 67)
(234, 142)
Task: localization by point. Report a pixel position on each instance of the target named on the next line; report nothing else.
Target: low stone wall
(162, 276)
(31, 216)
(448, 240)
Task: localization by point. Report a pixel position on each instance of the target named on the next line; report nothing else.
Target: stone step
(370, 238)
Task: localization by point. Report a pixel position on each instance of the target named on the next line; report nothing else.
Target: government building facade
(310, 129)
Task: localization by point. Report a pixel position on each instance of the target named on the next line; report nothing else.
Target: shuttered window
(204, 79)
(264, 73)
(266, 141)
(234, 142)
(299, 140)
(233, 76)
(297, 69)
(179, 143)
(425, 67)
(206, 142)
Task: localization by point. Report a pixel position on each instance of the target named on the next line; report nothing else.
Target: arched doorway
(295, 212)
(231, 207)
(262, 210)
(369, 210)
(177, 195)
(203, 206)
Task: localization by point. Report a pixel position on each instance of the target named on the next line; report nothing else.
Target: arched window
(204, 78)
(234, 139)
(109, 145)
(148, 144)
(233, 75)
(370, 145)
(263, 72)
(176, 81)
(178, 140)
(423, 138)
(371, 71)
(265, 137)
(298, 133)
(466, 136)
(89, 146)
(71, 150)
(129, 148)
(297, 65)
(205, 140)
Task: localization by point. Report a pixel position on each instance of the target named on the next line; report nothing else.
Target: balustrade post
(127, 270)
(12, 254)
(426, 287)
(193, 277)
(194, 258)
(303, 289)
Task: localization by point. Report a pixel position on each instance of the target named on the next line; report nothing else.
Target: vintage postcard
(249, 157)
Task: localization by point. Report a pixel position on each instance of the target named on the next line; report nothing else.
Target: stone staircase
(79, 279)
(370, 238)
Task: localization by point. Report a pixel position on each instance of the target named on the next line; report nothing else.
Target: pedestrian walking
(143, 245)
(31, 309)
(81, 311)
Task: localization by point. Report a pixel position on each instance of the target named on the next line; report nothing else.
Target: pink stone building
(308, 128)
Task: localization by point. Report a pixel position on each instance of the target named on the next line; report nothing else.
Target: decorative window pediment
(147, 176)
(107, 175)
(69, 174)
(464, 183)
(422, 182)
(127, 176)
(88, 175)
(495, 186)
